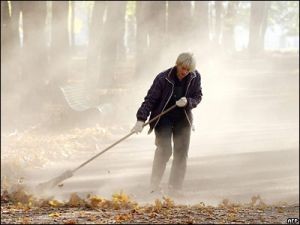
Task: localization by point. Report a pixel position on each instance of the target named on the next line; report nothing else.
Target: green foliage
(285, 14)
(282, 13)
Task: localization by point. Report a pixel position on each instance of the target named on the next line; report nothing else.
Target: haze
(73, 75)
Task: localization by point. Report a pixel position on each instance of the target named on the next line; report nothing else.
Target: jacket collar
(170, 78)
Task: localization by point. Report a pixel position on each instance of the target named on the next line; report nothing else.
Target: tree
(179, 27)
(112, 42)
(142, 17)
(95, 40)
(60, 46)
(34, 52)
(228, 26)
(288, 18)
(5, 33)
(72, 15)
(157, 30)
(200, 33)
(5, 19)
(201, 22)
(219, 10)
(5, 22)
(151, 35)
(10, 44)
(258, 18)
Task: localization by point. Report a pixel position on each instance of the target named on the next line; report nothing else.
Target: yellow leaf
(96, 201)
(70, 222)
(231, 216)
(120, 197)
(54, 203)
(123, 217)
(158, 205)
(75, 200)
(56, 214)
(168, 202)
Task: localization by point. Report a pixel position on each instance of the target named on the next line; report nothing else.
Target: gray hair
(186, 59)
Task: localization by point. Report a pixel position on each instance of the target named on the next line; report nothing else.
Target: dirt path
(149, 214)
(210, 178)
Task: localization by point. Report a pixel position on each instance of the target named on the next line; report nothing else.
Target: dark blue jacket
(161, 92)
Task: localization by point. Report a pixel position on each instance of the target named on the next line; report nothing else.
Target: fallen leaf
(25, 220)
(123, 217)
(75, 200)
(56, 214)
(70, 222)
(55, 203)
(158, 205)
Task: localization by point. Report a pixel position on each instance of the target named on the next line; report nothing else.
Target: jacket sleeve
(151, 99)
(195, 96)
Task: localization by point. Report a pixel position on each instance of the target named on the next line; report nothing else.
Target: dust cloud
(246, 140)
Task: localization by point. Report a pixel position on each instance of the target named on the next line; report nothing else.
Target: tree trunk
(60, 46)
(142, 19)
(5, 30)
(11, 87)
(228, 27)
(151, 35)
(5, 25)
(10, 39)
(219, 9)
(201, 28)
(264, 25)
(179, 27)
(201, 22)
(258, 18)
(34, 51)
(72, 5)
(95, 40)
(211, 22)
(10, 48)
(112, 43)
(60, 57)
(5, 19)
(157, 31)
(130, 29)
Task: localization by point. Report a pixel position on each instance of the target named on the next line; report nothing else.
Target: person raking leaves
(180, 85)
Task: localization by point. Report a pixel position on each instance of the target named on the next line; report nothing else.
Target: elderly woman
(180, 85)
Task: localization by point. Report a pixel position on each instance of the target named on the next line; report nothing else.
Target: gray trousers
(178, 132)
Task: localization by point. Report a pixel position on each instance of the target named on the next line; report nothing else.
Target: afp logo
(292, 221)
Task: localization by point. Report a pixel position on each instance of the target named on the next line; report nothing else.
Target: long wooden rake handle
(69, 173)
(122, 139)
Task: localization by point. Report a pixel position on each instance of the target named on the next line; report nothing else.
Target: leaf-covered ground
(18, 207)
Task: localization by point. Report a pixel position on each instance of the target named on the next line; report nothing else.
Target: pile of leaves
(23, 199)
(21, 207)
(34, 147)
(34, 150)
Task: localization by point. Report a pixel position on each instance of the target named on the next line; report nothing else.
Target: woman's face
(182, 71)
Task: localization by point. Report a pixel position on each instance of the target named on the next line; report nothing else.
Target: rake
(69, 173)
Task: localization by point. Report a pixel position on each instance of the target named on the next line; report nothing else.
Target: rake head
(55, 181)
